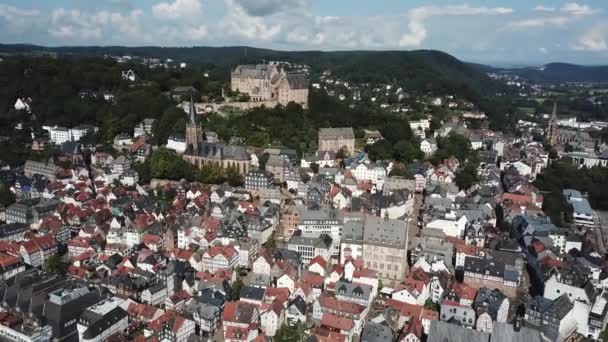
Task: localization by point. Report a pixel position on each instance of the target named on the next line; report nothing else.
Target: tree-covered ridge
(563, 175)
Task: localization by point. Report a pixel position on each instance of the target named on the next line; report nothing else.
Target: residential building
(420, 127)
(65, 306)
(582, 213)
(278, 165)
(48, 169)
(333, 139)
(257, 180)
(102, 320)
(310, 247)
(385, 246)
(554, 318)
(313, 223)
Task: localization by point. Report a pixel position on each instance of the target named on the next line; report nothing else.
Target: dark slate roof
(252, 293)
(71, 148)
(376, 332)
(99, 325)
(219, 151)
(489, 300)
(299, 303)
(12, 229)
(297, 81)
(444, 331)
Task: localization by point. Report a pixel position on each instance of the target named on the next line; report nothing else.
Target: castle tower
(552, 128)
(194, 131)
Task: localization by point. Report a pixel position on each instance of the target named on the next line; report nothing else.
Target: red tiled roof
(464, 291)
(336, 322)
(8, 260)
(313, 279)
(80, 242)
(142, 311)
(414, 326)
(335, 304)
(279, 293)
(407, 310)
(227, 251)
(326, 335)
(151, 239)
(318, 260)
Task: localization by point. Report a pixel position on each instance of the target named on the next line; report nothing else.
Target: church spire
(194, 131)
(192, 111)
(552, 128)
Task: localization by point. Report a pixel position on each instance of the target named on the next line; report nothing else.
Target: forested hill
(557, 72)
(423, 70)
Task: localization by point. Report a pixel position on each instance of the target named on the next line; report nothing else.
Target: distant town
(448, 229)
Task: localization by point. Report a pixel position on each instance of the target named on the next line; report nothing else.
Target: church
(200, 153)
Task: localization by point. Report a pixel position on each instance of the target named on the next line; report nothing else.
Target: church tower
(552, 128)
(194, 131)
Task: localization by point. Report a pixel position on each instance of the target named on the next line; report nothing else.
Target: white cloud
(418, 16)
(9, 12)
(260, 8)
(238, 24)
(594, 40)
(541, 8)
(178, 9)
(17, 20)
(569, 12)
(577, 9)
(196, 33)
(559, 21)
(74, 24)
(543, 50)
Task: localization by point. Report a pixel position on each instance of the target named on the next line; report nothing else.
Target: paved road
(412, 226)
(601, 229)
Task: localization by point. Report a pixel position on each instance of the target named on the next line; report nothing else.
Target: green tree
(405, 151)
(165, 164)
(262, 160)
(314, 167)
(6, 196)
(342, 153)
(382, 150)
(430, 305)
(291, 333)
(233, 177)
(235, 290)
(211, 174)
(53, 263)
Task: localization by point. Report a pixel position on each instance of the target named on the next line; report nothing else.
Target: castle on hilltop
(267, 82)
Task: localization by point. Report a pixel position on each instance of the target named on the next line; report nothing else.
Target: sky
(490, 31)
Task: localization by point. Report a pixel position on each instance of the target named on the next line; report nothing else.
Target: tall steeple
(552, 127)
(192, 111)
(194, 131)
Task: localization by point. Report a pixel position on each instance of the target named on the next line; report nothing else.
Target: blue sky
(515, 31)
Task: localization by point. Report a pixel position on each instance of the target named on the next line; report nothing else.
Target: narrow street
(413, 230)
(601, 229)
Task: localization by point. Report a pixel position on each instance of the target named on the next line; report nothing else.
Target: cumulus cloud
(238, 24)
(74, 24)
(260, 8)
(558, 21)
(569, 12)
(541, 8)
(178, 9)
(17, 20)
(577, 9)
(417, 19)
(9, 12)
(594, 40)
